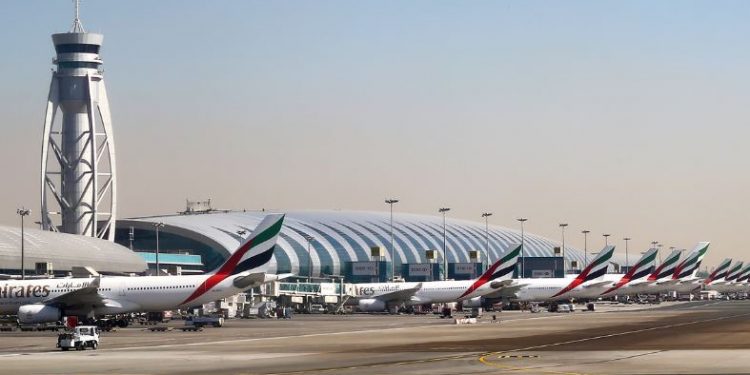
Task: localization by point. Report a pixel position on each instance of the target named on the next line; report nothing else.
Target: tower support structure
(78, 177)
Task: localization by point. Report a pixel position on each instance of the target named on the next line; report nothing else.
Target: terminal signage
(327, 289)
(419, 269)
(541, 273)
(365, 269)
(464, 268)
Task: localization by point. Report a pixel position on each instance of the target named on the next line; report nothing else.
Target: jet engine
(371, 305)
(474, 302)
(29, 314)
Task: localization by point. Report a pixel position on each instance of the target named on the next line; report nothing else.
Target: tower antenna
(77, 26)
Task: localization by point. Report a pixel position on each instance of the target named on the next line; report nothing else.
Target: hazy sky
(626, 117)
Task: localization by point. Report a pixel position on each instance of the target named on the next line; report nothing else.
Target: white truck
(79, 338)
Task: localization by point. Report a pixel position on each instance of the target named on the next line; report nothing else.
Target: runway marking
(484, 361)
(626, 357)
(519, 356)
(484, 357)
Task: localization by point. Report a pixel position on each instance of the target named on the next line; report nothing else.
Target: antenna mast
(77, 26)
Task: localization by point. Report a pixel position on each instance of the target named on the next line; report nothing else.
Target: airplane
(554, 289)
(683, 279)
(719, 274)
(374, 297)
(661, 274)
(741, 284)
(730, 282)
(617, 284)
(40, 301)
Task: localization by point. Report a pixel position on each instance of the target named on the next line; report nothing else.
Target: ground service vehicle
(202, 321)
(79, 338)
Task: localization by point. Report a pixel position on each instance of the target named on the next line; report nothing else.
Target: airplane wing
(668, 282)
(252, 280)
(639, 282)
(506, 291)
(597, 284)
(501, 284)
(88, 295)
(399, 295)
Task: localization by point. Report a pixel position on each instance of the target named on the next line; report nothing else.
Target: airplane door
(122, 288)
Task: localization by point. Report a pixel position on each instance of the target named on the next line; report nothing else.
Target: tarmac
(671, 338)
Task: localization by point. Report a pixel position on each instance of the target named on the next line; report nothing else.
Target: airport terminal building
(341, 244)
(58, 253)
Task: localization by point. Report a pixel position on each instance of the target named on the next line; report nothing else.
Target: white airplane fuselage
(538, 290)
(120, 294)
(430, 292)
(728, 287)
(595, 291)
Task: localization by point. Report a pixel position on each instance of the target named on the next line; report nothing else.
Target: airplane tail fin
(597, 268)
(720, 272)
(734, 273)
(689, 266)
(667, 267)
(744, 274)
(502, 269)
(642, 268)
(256, 250)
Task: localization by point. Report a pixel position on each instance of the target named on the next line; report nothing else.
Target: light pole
(158, 226)
(443, 210)
(523, 258)
(562, 229)
(627, 264)
(391, 202)
(606, 239)
(585, 247)
(23, 212)
(309, 239)
(486, 216)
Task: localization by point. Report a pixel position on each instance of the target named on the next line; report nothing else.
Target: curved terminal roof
(342, 236)
(65, 251)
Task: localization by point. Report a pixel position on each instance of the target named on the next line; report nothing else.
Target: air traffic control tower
(78, 180)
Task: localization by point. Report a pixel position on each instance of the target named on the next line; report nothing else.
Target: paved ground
(688, 338)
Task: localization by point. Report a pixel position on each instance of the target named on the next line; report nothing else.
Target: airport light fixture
(523, 258)
(562, 229)
(22, 212)
(309, 239)
(158, 226)
(131, 237)
(606, 239)
(391, 202)
(241, 233)
(486, 216)
(443, 210)
(585, 247)
(627, 264)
